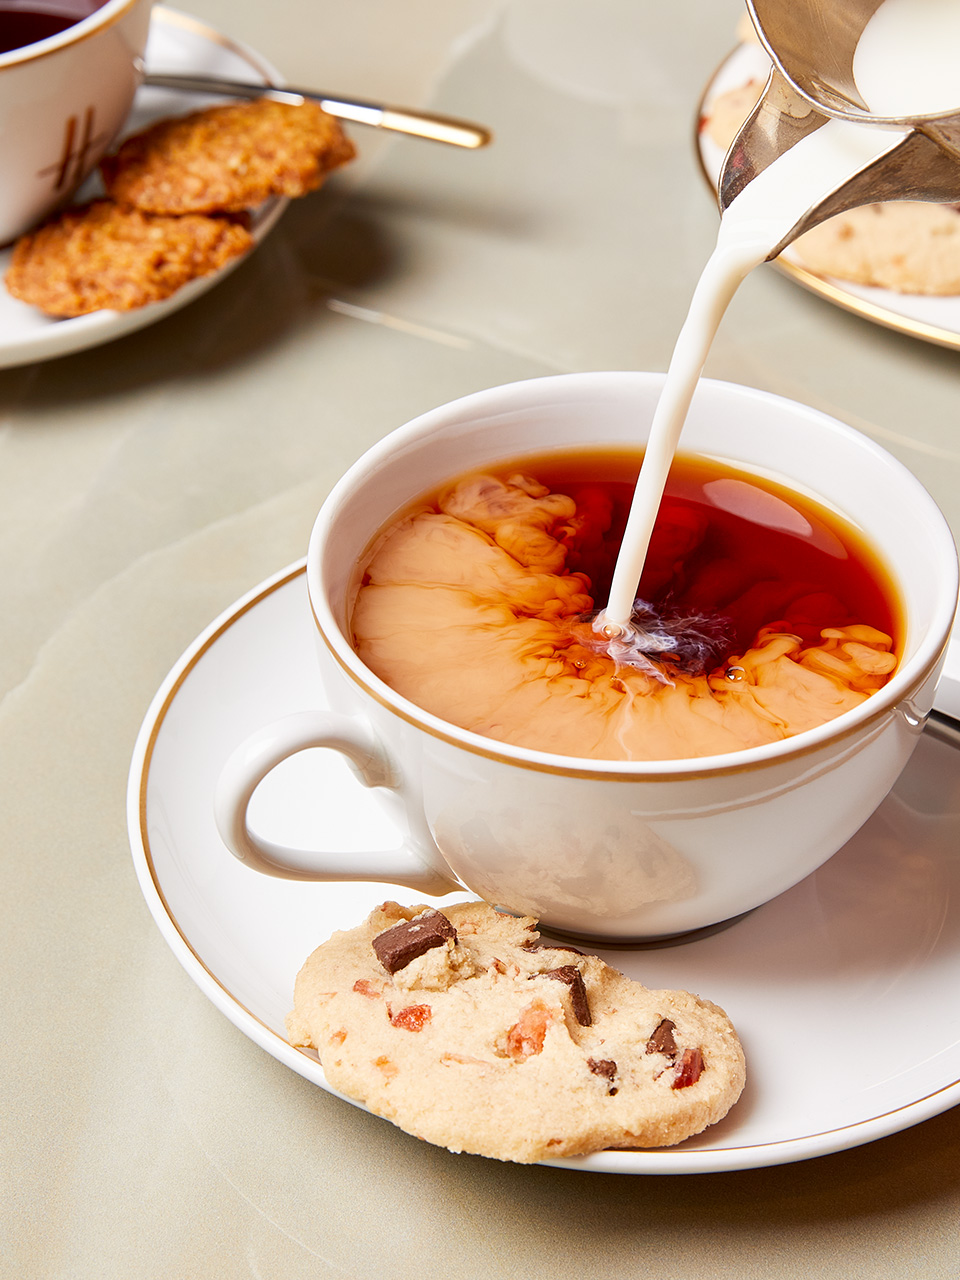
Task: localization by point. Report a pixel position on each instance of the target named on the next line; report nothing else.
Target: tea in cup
(600, 845)
(69, 70)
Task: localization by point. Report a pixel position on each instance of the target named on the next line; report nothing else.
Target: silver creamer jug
(811, 44)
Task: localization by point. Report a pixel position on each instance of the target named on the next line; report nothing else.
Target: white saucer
(177, 43)
(843, 989)
(931, 318)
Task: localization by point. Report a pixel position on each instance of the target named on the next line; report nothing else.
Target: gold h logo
(68, 170)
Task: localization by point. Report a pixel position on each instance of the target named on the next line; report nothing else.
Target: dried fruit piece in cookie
(226, 159)
(523, 1050)
(98, 256)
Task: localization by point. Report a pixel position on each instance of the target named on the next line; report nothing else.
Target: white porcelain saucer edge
(681, 1160)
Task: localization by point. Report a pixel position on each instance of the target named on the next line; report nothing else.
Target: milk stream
(903, 34)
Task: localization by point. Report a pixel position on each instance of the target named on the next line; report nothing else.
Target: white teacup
(62, 103)
(604, 849)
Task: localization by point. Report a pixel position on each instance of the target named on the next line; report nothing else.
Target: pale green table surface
(146, 484)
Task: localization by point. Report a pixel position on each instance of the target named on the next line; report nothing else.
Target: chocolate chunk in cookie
(570, 974)
(410, 939)
(662, 1040)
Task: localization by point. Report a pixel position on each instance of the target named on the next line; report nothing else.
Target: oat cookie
(466, 1030)
(98, 255)
(226, 159)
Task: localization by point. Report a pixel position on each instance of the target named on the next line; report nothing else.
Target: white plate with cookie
(178, 43)
(911, 247)
(842, 990)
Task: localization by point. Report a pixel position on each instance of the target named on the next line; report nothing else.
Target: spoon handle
(456, 133)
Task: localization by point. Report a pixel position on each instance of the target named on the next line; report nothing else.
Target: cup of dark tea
(447, 572)
(69, 70)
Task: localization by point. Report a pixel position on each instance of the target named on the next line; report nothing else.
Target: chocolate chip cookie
(466, 1029)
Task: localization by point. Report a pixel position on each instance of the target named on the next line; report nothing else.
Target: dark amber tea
(26, 23)
(726, 543)
(764, 613)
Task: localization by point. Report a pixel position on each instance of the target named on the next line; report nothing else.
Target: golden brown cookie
(98, 256)
(465, 1030)
(226, 159)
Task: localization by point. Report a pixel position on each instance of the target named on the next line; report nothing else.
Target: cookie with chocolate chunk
(466, 1030)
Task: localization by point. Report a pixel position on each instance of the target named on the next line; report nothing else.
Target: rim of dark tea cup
(109, 12)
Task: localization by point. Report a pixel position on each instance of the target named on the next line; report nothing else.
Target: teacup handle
(269, 746)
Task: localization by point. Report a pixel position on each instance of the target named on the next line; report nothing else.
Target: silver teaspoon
(420, 124)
